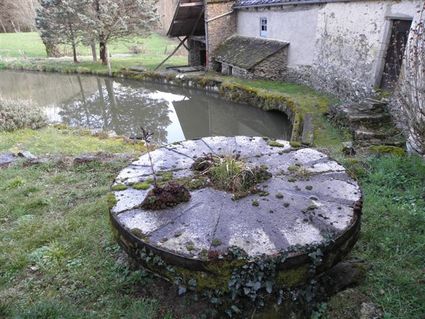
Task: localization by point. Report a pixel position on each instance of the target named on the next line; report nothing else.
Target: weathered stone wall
(351, 43)
(194, 57)
(408, 102)
(220, 29)
(338, 47)
(235, 71)
(271, 68)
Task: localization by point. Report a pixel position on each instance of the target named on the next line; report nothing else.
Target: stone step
(377, 118)
(364, 134)
(372, 106)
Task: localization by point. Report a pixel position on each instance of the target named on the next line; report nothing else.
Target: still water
(123, 106)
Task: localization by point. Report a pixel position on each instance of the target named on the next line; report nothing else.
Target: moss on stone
(295, 144)
(216, 242)
(292, 277)
(142, 185)
(139, 234)
(387, 149)
(274, 143)
(111, 200)
(119, 187)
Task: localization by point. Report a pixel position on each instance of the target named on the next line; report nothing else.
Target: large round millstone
(310, 201)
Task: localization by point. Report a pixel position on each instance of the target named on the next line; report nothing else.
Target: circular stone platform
(310, 201)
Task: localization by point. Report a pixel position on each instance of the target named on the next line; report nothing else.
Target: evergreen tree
(59, 23)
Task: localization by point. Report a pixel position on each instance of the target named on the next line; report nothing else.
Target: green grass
(393, 235)
(26, 51)
(30, 45)
(59, 259)
(63, 141)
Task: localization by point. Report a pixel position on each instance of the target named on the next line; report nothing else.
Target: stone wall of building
(271, 68)
(220, 29)
(338, 47)
(194, 56)
(351, 44)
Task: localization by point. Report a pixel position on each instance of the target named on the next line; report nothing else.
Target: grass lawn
(27, 50)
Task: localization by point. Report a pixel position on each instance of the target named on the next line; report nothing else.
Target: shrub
(20, 114)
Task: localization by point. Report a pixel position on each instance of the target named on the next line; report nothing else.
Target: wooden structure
(189, 27)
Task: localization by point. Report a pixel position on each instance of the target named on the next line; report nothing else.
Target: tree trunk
(74, 45)
(3, 27)
(74, 52)
(51, 49)
(103, 52)
(93, 50)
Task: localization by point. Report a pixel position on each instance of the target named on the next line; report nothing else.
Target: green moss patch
(387, 149)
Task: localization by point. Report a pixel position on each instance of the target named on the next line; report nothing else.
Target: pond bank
(296, 101)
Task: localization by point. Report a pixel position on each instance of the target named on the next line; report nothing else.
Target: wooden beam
(172, 53)
(191, 4)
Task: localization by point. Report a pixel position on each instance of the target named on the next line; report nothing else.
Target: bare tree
(17, 15)
(410, 95)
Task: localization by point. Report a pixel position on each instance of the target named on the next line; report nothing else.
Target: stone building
(251, 57)
(347, 47)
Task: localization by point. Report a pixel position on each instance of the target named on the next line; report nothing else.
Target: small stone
(348, 149)
(84, 159)
(6, 159)
(27, 155)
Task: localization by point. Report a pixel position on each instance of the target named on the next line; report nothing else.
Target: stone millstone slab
(309, 201)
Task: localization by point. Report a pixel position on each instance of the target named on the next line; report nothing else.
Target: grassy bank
(26, 51)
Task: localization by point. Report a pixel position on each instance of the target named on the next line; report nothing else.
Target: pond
(123, 106)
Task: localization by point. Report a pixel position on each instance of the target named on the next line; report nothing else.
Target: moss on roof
(246, 52)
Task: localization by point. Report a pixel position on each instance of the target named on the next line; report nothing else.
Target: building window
(263, 27)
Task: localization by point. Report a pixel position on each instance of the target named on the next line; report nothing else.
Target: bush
(20, 114)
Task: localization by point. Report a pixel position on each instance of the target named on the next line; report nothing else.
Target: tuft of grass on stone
(119, 187)
(274, 143)
(216, 242)
(142, 186)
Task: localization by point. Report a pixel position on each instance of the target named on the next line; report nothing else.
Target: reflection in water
(123, 106)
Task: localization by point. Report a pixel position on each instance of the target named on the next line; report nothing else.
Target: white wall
(296, 25)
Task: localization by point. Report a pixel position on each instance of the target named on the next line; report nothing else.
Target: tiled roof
(246, 52)
(256, 3)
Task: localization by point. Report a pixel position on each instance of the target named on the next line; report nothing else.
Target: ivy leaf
(257, 286)
(182, 290)
(269, 287)
(192, 282)
(235, 309)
